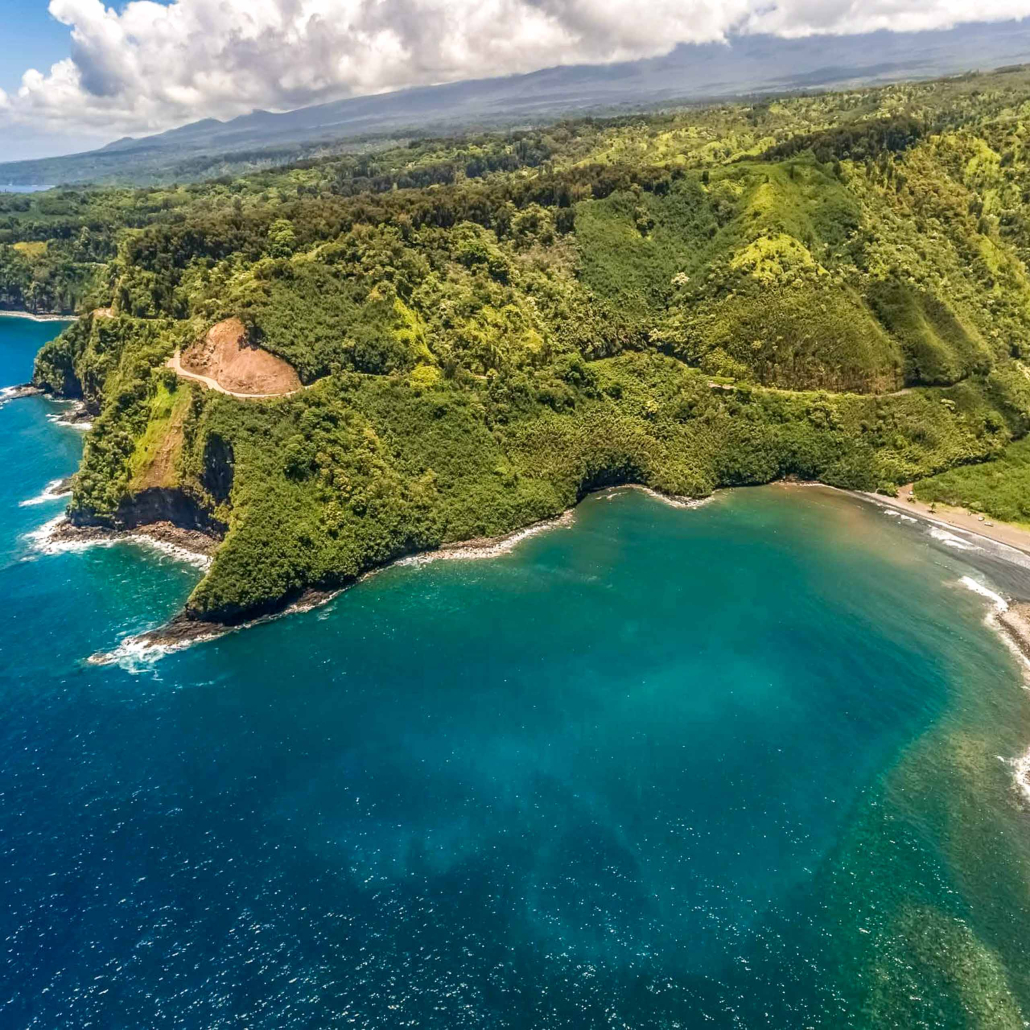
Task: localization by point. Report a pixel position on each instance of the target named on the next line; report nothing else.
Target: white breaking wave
(51, 492)
(950, 540)
(895, 514)
(999, 602)
(1022, 770)
(132, 654)
(669, 499)
(61, 420)
(488, 550)
(8, 393)
(135, 655)
(46, 541)
(183, 554)
(1020, 766)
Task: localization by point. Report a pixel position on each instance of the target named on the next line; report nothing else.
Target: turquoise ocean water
(744, 765)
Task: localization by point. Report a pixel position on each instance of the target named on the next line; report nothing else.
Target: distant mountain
(690, 73)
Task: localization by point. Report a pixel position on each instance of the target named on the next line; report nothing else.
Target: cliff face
(138, 467)
(218, 468)
(148, 507)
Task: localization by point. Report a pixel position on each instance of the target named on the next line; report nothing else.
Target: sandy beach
(957, 518)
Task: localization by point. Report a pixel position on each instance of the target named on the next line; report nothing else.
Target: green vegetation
(999, 488)
(830, 287)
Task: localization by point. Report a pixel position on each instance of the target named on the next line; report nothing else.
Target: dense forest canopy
(830, 286)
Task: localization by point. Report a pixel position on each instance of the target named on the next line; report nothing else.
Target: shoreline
(182, 632)
(198, 548)
(1005, 616)
(77, 417)
(948, 517)
(14, 393)
(1008, 618)
(1011, 621)
(59, 535)
(38, 318)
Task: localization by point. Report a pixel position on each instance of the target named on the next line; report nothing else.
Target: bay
(744, 765)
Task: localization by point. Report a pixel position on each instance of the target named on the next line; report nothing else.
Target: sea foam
(490, 549)
(1020, 766)
(51, 492)
(1022, 770)
(63, 420)
(950, 540)
(999, 602)
(134, 654)
(48, 540)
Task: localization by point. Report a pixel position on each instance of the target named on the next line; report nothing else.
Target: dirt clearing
(225, 360)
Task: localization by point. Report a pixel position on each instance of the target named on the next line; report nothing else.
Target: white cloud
(153, 65)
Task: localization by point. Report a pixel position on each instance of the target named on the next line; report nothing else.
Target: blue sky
(38, 40)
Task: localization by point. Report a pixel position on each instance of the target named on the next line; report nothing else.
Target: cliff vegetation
(487, 327)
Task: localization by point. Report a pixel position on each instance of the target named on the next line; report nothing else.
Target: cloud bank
(151, 65)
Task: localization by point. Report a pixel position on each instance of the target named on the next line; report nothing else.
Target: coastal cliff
(322, 371)
(310, 491)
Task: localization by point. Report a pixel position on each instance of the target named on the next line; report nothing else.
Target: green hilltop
(831, 287)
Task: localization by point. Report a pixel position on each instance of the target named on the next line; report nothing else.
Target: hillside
(690, 73)
(489, 327)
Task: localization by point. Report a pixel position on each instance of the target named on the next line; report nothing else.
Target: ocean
(750, 764)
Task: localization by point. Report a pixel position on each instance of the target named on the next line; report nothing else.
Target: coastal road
(175, 364)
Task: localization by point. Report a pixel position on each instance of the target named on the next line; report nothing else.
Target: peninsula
(325, 367)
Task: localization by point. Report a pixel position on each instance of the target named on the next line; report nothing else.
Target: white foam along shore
(11, 393)
(486, 547)
(82, 424)
(1022, 771)
(493, 547)
(147, 647)
(135, 652)
(55, 490)
(53, 538)
(1012, 625)
(151, 645)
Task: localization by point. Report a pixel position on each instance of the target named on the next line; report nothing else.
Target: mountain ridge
(689, 74)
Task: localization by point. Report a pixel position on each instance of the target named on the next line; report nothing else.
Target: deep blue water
(746, 765)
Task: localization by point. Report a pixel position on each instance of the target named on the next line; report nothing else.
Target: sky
(75, 74)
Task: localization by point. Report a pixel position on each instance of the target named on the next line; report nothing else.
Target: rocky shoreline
(13, 393)
(184, 630)
(77, 416)
(192, 545)
(1012, 619)
(1015, 624)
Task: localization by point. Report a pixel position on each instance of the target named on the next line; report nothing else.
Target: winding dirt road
(175, 364)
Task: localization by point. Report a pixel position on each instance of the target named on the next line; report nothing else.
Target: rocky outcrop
(219, 468)
(171, 507)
